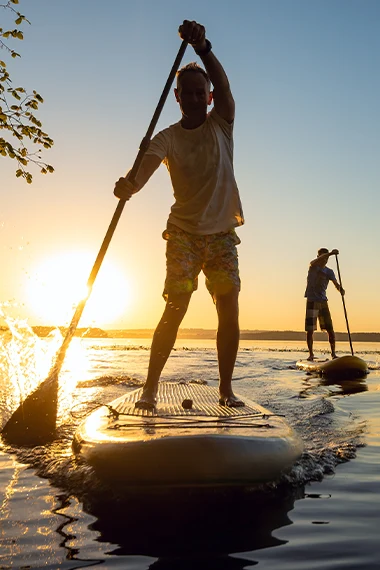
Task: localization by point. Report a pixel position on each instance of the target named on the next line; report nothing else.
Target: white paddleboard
(206, 445)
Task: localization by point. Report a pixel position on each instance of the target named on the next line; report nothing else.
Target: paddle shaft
(119, 209)
(344, 305)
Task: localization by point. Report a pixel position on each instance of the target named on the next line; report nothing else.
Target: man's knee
(177, 305)
(227, 306)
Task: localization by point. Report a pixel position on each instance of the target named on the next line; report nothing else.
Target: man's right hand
(124, 189)
(334, 252)
(193, 33)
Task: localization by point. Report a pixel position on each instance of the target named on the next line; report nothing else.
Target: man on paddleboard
(318, 279)
(200, 233)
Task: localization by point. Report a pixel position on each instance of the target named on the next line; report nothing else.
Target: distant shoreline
(94, 332)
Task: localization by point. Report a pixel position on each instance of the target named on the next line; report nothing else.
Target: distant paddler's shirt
(317, 281)
(200, 164)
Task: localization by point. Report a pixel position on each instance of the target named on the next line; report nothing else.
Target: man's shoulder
(214, 116)
(167, 131)
(330, 272)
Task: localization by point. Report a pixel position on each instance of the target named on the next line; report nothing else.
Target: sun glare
(59, 283)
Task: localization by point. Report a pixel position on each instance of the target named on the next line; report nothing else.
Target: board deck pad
(205, 402)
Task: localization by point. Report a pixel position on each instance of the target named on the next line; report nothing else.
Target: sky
(305, 79)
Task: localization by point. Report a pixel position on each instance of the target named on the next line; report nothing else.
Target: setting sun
(59, 283)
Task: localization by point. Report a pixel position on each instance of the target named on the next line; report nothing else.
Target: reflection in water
(9, 546)
(191, 528)
(348, 386)
(67, 537)
(333, 387)
(206, 563)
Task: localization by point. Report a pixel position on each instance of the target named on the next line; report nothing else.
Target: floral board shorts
(320, 310)
(189, 254)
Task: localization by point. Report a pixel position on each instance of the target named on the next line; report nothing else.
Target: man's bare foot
(311, 358)
(333, 356)
(231, 401)
(147, 401)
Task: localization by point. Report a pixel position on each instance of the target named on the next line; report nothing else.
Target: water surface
(323, 514)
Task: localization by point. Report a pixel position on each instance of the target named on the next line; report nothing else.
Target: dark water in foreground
(324, 514)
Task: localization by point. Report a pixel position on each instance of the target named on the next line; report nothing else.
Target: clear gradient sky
(305, 77)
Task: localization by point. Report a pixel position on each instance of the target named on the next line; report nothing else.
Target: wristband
(206, 50)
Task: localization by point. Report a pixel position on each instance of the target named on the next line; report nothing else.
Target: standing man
(318, 279)
(200, 231)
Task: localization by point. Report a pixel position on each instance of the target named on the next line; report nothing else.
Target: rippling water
(324, 514)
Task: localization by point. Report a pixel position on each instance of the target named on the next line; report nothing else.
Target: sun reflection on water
(75, 368)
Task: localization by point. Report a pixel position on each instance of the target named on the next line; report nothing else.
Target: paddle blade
(34, 421)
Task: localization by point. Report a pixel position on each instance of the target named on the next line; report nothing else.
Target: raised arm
(124, 189)
(195, 34)
(323, 258)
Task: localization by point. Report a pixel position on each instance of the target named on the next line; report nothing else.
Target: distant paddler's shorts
(189, 254)
(321, 310)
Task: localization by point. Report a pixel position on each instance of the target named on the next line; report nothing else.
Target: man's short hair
(322, 251)
(192, 67)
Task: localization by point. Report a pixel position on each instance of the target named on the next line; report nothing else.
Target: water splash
(24, 360)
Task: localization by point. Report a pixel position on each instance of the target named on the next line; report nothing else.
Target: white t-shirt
(200, 164)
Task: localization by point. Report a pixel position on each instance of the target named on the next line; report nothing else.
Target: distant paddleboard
(344, 367)
(189, 440)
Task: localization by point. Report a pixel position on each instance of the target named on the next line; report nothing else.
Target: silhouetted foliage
(17, 108)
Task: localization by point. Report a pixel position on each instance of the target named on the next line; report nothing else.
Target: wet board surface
(344, 367)
(208, 444)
